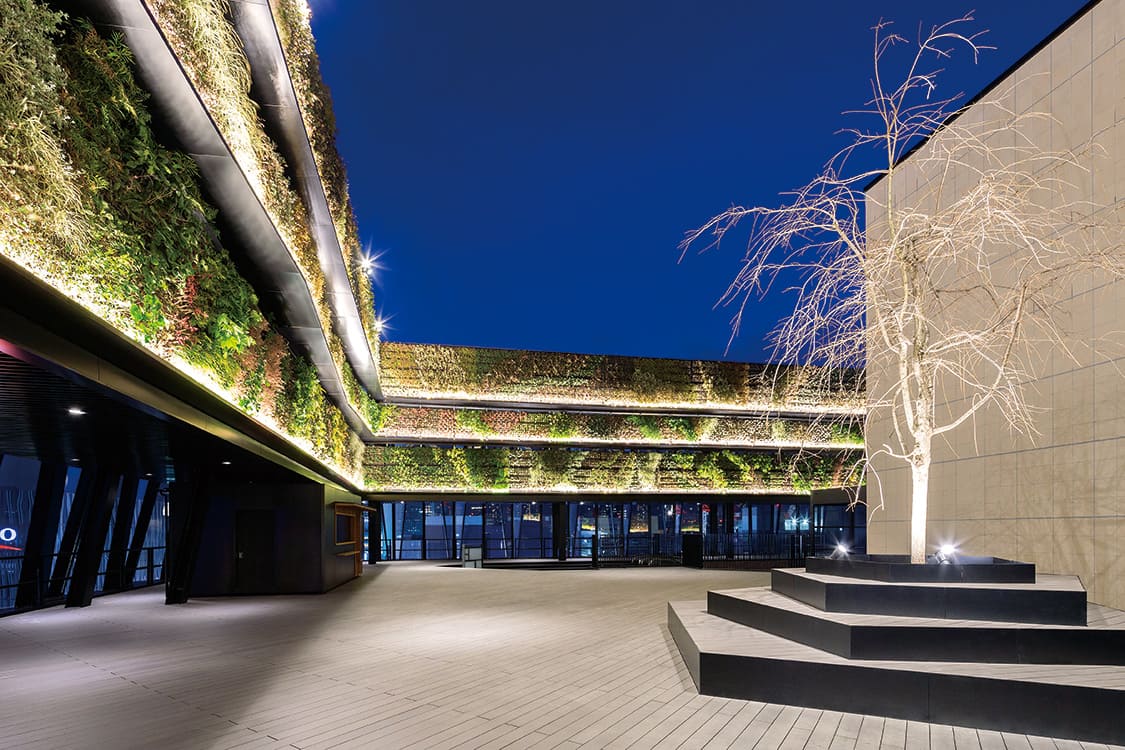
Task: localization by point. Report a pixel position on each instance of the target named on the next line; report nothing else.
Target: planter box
(899, 569)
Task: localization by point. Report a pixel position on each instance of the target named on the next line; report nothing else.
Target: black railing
(633, 549)
(762, 549)
(49, 588)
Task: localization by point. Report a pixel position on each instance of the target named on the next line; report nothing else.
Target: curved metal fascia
(173, 93)
(275, 93)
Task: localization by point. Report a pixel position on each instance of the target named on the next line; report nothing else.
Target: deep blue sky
(527, 168)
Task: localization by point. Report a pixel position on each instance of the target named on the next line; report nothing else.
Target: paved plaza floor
(411, 655)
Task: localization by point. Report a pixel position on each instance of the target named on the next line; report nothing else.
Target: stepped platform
(862, 636)
(1058, 600)
(1081, 701)
(1007, 650)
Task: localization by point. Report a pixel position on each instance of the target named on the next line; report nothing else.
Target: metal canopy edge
(275, 93)
(185, 113)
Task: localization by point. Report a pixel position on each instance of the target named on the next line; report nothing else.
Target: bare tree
(971, 245)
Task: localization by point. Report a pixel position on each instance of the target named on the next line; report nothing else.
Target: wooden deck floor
(411, 655)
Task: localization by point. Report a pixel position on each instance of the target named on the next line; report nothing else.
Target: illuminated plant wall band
(451, 372)
(568, 469)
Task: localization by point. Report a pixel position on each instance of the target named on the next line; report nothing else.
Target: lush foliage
(94, 204)
(201, 34)
(517, 469)
(445, 424)
(551, 377)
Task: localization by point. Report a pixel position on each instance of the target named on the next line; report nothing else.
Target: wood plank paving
(413, 655)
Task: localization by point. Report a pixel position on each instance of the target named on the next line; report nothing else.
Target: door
(254, 551)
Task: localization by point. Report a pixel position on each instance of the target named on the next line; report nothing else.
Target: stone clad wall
(1057, 499)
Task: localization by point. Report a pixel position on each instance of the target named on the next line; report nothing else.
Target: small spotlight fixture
(225, 463)
(842, 549)
(74, 460)
(76, 411)
(945, 554)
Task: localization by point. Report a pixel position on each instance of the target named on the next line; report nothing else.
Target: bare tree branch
(950, 283)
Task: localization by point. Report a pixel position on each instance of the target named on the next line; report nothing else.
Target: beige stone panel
(1118, 149)
(999, 499)
(1074, 130)
(1074, 548)
(1001, 538)
(1073, 480)
(877, 536)
(1040, 401)
(1103, 175)
(894, 489)
(1104, 28)
(1105, 92)
(1109, 561)
(973, 539)
(1109, 401)
(1034, 539)
(1109, 545)
(1071, 51)
(1107, 478)
(1035, 488)
(1079, 323)
(1108, 325)
(943, 491)
(1033, 81)
(970, 489)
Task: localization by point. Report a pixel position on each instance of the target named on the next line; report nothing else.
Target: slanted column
(144, 517)
(92, 539)
(115, 563)
(189, 497)
(42, 531)
(90, 477)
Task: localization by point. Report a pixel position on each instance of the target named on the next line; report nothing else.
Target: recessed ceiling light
(74, 460)
(75, 411)
(226, 463)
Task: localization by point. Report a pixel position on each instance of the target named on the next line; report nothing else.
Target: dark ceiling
(54, 415)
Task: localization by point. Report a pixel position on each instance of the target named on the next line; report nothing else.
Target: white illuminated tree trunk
(942, 281)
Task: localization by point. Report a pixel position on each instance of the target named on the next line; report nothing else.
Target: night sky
(527, 168)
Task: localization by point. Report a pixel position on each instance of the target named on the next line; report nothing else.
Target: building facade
(1056, 498)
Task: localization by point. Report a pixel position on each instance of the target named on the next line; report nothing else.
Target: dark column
(374, 531)
(115, 564)
(42, 531)
(144, 517)
(559, 524)
(91, 542)
(90, 476)
(189, 499)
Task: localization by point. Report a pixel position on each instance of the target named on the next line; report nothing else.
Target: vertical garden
(92, 202)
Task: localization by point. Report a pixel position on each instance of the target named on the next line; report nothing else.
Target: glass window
(441, 539)
(18, 477)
